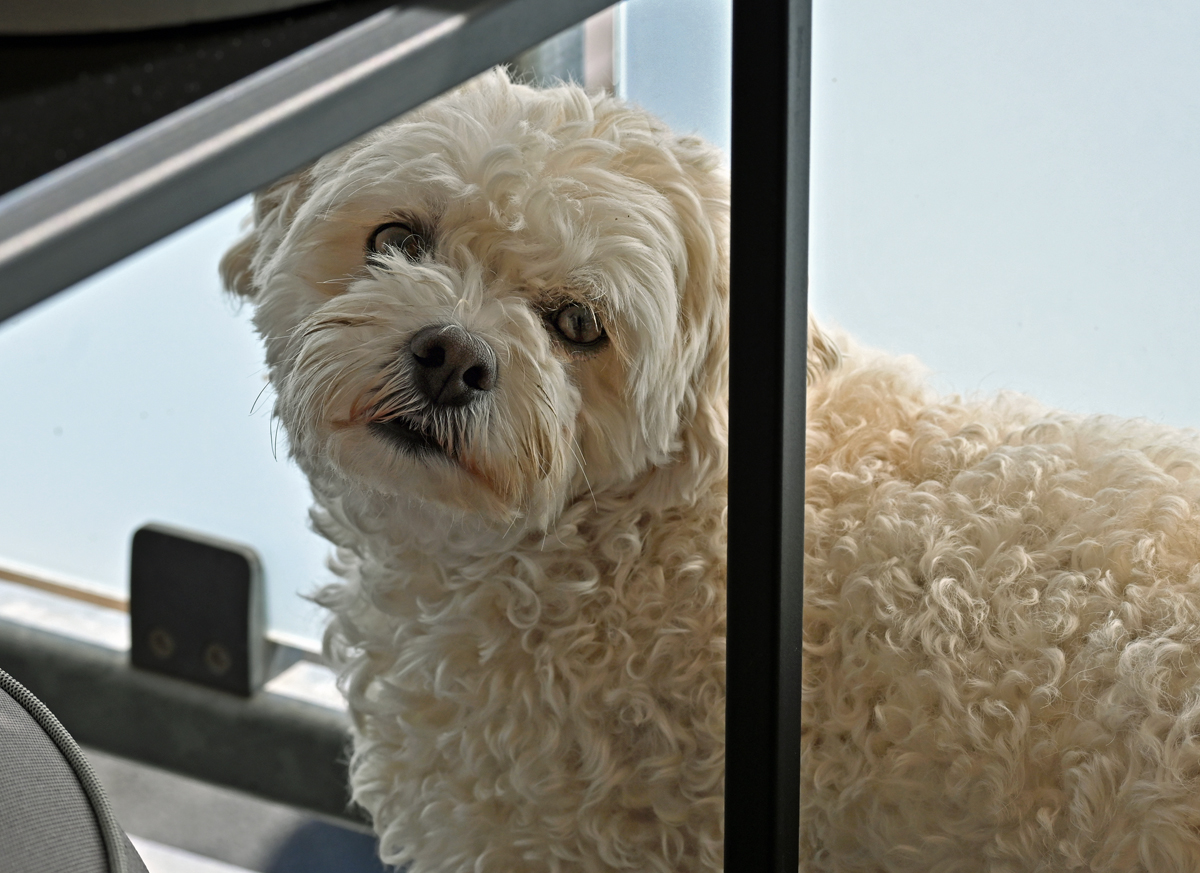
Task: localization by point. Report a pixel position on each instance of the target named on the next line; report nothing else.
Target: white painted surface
(312, 683)
(77, 620)
(168, 859)
(29, 607)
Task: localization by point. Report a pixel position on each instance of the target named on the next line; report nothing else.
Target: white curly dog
(497, 333)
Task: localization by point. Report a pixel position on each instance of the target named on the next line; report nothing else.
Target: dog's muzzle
(448, 369)
(452, 367)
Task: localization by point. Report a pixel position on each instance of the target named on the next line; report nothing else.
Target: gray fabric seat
(54, 816)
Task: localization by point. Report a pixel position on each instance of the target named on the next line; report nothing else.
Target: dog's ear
(823, 353)
(274, 208)
(700, 197)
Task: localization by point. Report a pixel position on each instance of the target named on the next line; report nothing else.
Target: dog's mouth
(407, 435)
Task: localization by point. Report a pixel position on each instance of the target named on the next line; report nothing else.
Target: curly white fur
(1002, 633)
(1002, 605)
(530, 627)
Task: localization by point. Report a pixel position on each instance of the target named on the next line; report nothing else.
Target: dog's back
(1002, 633)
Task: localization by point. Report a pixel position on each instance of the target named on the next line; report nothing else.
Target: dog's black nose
(453, 366)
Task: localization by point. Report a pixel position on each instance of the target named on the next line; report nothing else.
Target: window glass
(678, 66)
(1009, 191)
(1006, 190)
(138, 396)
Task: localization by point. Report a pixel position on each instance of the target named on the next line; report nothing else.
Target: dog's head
(499, 302)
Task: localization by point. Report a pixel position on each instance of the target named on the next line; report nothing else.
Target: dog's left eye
(399, 237)
(578, 324)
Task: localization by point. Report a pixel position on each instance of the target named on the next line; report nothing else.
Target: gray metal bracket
(196, 609)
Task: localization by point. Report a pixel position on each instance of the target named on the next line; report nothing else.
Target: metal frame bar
(68, 94)
(772, 42)
(72, 222)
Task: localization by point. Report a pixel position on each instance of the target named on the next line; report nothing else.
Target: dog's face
(504, 299)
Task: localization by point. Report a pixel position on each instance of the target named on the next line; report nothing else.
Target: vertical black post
(769, 250)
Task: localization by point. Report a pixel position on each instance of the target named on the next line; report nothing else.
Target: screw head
(217, 659)
(161, 643)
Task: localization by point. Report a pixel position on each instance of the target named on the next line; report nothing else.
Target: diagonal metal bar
(120, 198)
(769, 245)
(65, 95)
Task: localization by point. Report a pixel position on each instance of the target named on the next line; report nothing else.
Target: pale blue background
(675, 59)
(1008, 190)
(1011, 191)
(135, 397)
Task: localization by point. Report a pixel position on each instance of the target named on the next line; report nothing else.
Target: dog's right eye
(399, 237)
(578, 325)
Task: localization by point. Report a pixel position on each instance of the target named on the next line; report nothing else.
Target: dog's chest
(617, 646)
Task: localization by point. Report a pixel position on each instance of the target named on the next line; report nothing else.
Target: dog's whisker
(276, 424)
(575, 450)
(258, 397)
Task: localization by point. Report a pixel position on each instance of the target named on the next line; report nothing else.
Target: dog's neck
(408, 534)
